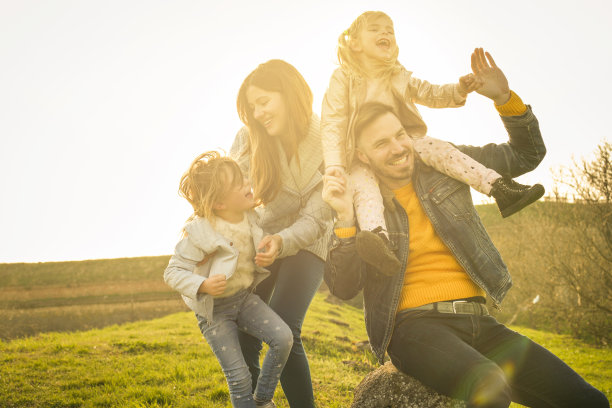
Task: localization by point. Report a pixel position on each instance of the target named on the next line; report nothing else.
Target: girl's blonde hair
(348, 59)
(210, 176)
(274, 76)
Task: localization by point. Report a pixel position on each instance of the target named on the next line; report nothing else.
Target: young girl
(369, 71)
(215, 268)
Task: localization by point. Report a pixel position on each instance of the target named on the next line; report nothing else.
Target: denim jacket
(448, 204)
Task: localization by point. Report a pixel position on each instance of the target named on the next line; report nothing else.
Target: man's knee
(489, 388)
(595, 399)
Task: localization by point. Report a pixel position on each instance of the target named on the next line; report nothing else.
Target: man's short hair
(368, 113)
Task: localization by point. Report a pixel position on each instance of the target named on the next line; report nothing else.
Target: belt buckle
(457, 301)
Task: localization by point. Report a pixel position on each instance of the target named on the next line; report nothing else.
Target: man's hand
(494, 83)
(335, 168)
(337, 194)
(214, 285)
(268, 249)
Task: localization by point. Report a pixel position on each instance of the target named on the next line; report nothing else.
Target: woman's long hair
(274, 76)
(349, 61)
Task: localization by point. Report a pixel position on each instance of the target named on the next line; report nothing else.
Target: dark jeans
(479, 360)
(289, 291)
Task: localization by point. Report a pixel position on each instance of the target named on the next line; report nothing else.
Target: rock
(387, 387)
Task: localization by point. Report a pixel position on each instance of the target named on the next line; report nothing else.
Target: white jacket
(185, 276)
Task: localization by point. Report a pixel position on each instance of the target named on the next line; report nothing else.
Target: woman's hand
(214, 285)
(268, 249)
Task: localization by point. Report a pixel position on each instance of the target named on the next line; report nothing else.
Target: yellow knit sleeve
(345, 232)
(513, 107)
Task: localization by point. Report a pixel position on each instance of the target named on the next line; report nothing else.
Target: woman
(280, 149)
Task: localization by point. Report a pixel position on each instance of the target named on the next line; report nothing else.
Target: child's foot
(374, 248)
(512, 196)
(265, 404)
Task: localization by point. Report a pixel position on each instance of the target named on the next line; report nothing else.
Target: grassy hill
(101, 361)
(166, 363)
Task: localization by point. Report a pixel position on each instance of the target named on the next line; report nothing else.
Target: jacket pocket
(452, 197)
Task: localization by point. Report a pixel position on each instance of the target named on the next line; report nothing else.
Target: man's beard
(382, 171)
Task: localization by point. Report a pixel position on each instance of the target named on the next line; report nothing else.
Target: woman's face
(268, 109)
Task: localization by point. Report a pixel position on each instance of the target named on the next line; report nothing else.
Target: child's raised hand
(213, 285)
(268, 249)
(469, 83)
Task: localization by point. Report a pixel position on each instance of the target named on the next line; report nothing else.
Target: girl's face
(239, 197)
(269, 110)
(376, 39)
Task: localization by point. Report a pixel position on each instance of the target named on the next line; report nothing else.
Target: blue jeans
(289, 291)
(246, 312)
(480, 361)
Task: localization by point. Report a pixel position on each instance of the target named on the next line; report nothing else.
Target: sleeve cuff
(345, 232)
(513, 107)
(463, 94)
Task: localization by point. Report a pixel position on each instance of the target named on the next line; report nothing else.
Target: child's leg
(259, 320)
(372, 241)
(222, 337)
(447, 159)
(368, 202)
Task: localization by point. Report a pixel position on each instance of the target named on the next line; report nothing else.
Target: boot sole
(534, 195)
(373, 251)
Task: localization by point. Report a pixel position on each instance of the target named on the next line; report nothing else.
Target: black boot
(375, 249)
(512, 196)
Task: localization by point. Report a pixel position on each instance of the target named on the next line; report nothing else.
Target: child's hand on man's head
(213, 285)
(268, 249)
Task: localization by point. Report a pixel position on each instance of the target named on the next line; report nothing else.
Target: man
(430, 317)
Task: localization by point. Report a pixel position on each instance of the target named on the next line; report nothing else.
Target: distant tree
(583, 263)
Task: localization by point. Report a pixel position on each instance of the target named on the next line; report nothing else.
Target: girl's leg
(369, 208)
(447, 159)
(372, 241)
(259, 320)
(289, 291)
(222, 337)
(251, 346)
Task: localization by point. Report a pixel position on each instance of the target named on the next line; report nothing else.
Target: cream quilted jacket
(346, 94)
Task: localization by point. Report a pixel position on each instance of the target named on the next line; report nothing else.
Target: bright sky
(103, 104)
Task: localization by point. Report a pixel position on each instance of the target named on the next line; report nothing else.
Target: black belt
(455, 307)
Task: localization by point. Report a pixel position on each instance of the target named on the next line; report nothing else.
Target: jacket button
(231, 244)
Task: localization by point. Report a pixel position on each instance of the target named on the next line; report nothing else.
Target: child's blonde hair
(348, 59)
(210, 176)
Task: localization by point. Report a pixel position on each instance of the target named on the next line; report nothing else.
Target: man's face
(387, 149)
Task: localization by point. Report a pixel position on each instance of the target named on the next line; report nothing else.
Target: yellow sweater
(432, 272)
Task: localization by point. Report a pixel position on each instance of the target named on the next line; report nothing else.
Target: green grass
(166, 363)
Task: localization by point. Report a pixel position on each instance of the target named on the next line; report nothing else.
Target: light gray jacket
(185, 276)
(298, 213)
